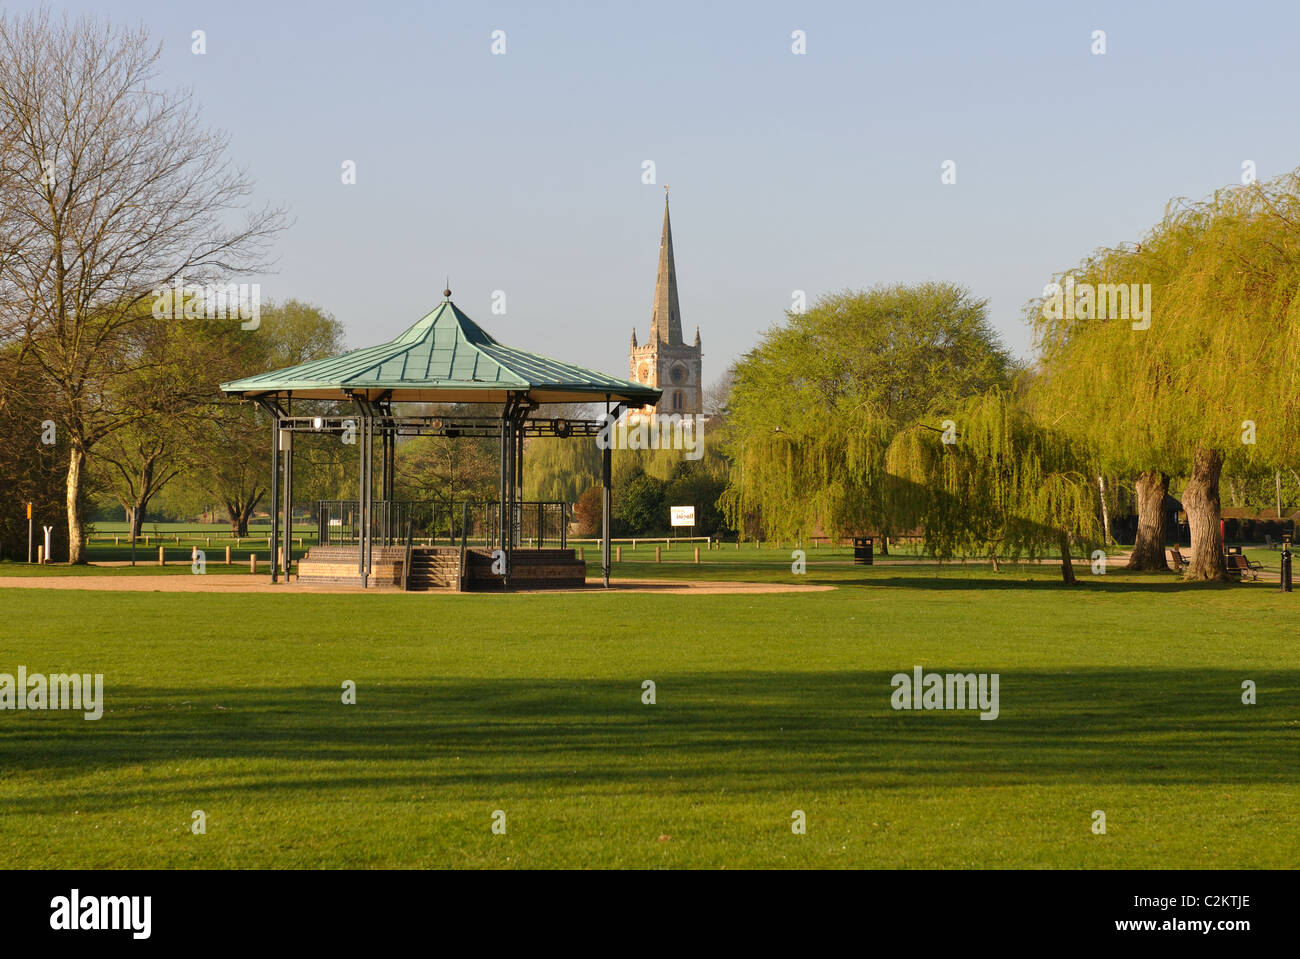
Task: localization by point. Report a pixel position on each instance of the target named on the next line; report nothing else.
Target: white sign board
(683, 515)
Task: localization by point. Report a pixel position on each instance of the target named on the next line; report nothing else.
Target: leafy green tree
(1211, 381)
(167, 393)
(231, 445)
(994, 480)
(813, 408)
(560, 470)
(640, 506)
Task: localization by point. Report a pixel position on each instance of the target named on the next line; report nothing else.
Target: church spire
(666, 320)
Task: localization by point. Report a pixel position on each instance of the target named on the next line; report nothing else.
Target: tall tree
(115, 190)
(230, 443)
(166, 395)
(813, 408)
(1086, 357)
(1209, 377)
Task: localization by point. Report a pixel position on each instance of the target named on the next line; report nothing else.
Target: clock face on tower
(678, 374)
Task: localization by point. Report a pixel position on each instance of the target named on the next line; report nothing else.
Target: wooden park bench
(1178, 559)
(1239, 565)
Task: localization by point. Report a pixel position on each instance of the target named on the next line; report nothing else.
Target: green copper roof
(445, 357)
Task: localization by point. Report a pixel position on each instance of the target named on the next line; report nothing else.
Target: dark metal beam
(287, 452)
(445, 426)
(606, 503)
(370, 503)
(275, 491)
(359, 434)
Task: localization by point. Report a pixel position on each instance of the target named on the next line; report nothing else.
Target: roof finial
(447, 290)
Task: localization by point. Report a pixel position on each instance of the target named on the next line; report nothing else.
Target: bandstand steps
(433, 569)
(437, 568)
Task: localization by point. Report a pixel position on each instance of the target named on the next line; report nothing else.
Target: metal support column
(392, 522)
(509, 532)
(370, 501)
(275, 490)
(286, 445)
(606, 502)
(361, 498)
(517, 490)
(505, 476)
(519, 458)
(385, 500)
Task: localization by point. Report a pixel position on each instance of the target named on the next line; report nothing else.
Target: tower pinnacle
(666, 361)
(666, 318)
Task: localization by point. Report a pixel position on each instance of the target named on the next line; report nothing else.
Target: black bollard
(1286, 564)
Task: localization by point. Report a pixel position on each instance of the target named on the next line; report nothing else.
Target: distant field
(1123, 695)
(750, 563)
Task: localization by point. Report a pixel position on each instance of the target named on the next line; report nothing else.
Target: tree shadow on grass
(1013, 581)
(738, 731)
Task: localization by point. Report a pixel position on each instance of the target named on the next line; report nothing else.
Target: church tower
(667, 362)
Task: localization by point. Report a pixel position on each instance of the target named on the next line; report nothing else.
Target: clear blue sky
(818, 172)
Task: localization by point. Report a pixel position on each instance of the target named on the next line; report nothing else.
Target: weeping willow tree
(560, 470)
(1208, 378)
(998, 482)
(1088, 360)
(789, 481)
(815, 405)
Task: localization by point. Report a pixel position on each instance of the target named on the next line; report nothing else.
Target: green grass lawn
(1122, 695)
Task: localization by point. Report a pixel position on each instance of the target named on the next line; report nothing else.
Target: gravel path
(245, 583)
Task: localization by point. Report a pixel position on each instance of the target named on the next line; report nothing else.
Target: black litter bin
(863, 547)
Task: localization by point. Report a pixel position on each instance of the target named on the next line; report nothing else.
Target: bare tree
(114, 190)
(717, 396)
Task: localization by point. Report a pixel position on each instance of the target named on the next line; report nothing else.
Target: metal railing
(536, 525)
(395, 522)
